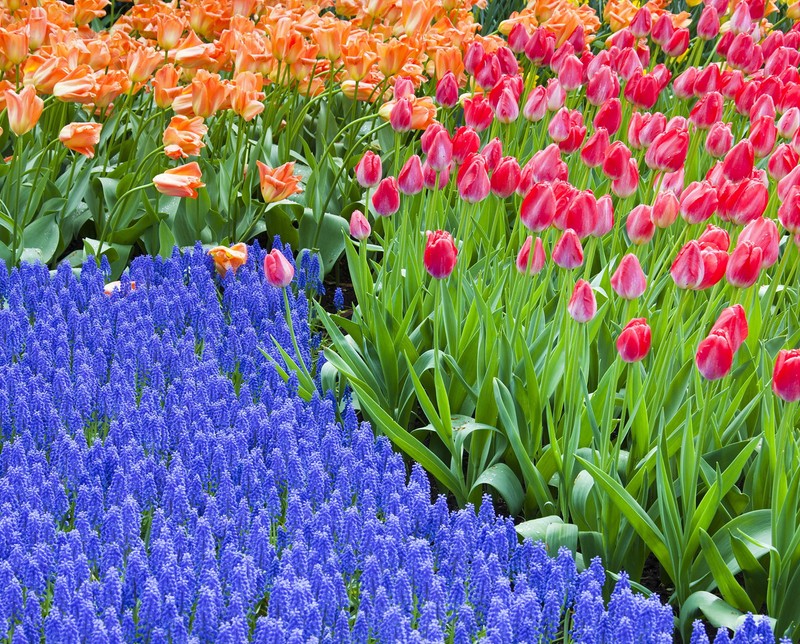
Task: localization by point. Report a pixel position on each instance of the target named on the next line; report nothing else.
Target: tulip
(582, 305)
(81, 137)
(473, 57)
(228, 259)
(665, 209)
(662, 30)
(531, 264)
(570, 74)
(184, 137)
(732, 323)
(668, 151)
(602, 87)
(714, 356)
(359, 226)
(716, 237)
(633, 343)
(535, 105)
(440, 255)
(616, 161)
(678, 44)
(605, 216)
(707, 111)
(473, 179)
(764, 105)
(641, 23)
(447, 90)
(433, 180)
(639, 225)
(440, 151)
(782, 161)
(465, 142)
(789, 123)
(538, 208)
(182, 181)
(539, 49)
(386, 198)
(580, 214)
(698, 202)
(409, 180)
(478, 113)
(24, 110)
(488, 72)
(741, 203)
(763, 134)
(683, 85)
(277, 269)
(369, 170)
(763, 233)
(739, 161)
(652, 126)
(719, 139)
(642, 91)
(279, 183)
(492, 153)
(560, 125)
(507, 108)
(609, 116)
(708, 24)
(568, 252)
(594, 151)
(688, 270)
(556, 96)
(400, 117)
(740, 21)
(744, 265)
(518, 38)
(786, 375)
(505, 178)
(629, 281)
(715, 262)
(627, 185)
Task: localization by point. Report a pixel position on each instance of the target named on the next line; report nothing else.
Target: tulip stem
(288, 313)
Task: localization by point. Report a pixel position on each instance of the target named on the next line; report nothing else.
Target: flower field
(554, 394)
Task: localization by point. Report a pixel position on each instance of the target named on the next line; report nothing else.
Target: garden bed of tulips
(571, 240)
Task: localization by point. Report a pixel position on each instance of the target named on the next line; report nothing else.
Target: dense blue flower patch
(159, 482)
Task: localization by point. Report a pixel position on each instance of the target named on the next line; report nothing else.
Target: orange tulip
(288, 44)
(169, 31)
(229, 259)
(209, 93)
(417, 16)
(193, 53)
(423, 111)
(24, 110)
(165, 86)
(278, 183)
(78, 86)
(182, 181)
(142, 63)
(87, 10)
(109, 87)
(358, 58)
(247, 97)
(330, 37)
(98, 55)
(81, 137)
(184, 137)
(36, 27)
(14, 45)
(44, 73)
(392, 56)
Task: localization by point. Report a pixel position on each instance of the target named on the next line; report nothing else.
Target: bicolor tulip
(698, 202)
(278, 183)
(473, 179)
(229, 259)
(277, 269)
(359, 226)
(786, 375)
(409, 179)
(744, 265)
(81, 137)
(639, 225)
(633, 343)
(582, 306)
(688, 270)
(386, 198)
(538, 208)
(763, 233)
(531, 257)
(440, 254)
(369, 170)
(568, 252)
(629, 280)
(183, 181)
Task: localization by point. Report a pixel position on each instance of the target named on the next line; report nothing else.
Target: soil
(653, 580)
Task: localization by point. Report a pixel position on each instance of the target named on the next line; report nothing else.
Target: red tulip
(440, 255)
(465, 142)
(732, 322)
(714, 356)
(473, 57)
(739, 161)
(740, 21)
(560, 125)
(359, 225)
(410, 181)
(763, 135)
(652, 126)
(731, 82)
(609, 116)
(719, 139)
(386, 198)
(560, 55)
(708, 24)
(744, 265)
(715, 262)
(488, 72)
(789, 211)
(782, 161)
(507, 108)
(640, 226)
(678, 44)
(642, 91)
(478, 113)
(594, 151)
(505, 177)
(742, 202)
(633, 343)
(641, 23)
(570, 74)
(531, 264)
(492, 152)
(627, 185)
(473, 179)
(582, 305)
(698, 202)
(433, 180)
(535, 105)
(540, 47)
(668, 151)
(789, 123)
(568, 252)
(629, 280)
(617, 160)
(662, 30)
(602, 87)
(518, 38)
(746, 96)
(786, 375)
(665, 209)
(683, 85)
(763, 233)
(716, 237)
(688, 270)
(764, 105)
(428, 135)
(707, 111)
(277, 269)
(447, 90)
(605, 216)
(440, 151)
(538, 208)
(581, 214)
(368, 170)
(556, 96)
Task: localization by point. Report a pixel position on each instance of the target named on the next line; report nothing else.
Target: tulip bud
(440, 255)
(633, 343)
(716, 237)
(447, 90)
(594, 152)
(609, 116)
(688, 270)
(698, 202)
(668, 151)
(662, 30)
(714, 357)
(707, 111)
(652, 126)
(440, 153)
(582, 305)
(409, 181)
(715, 262)
(739, 161)
(386, 198)
(782, 161)
(505, 177)
(369, 170)
(507, 108)
(744, 265)
(602, 87)
(641, 23)
(678, 44)
(789, 123)
(518, 38)
(665, 209)
(627, 185)
(473, 180)
(556, 96)
(683, 85)
(763, 233)
(359, 226)
(570, 74)
(538, 208)
(740, 21)
(629, 281)
(639, 225)
(535, 105)
(742, 202)
(786, 375)
(473, 58)
(465, 142)
(789, 212)
(478, 113)
(492, 153)
(719, 139)
(617, 160)
(763, 134)
(581, 214)
(401, 115)
(528, 263)
(277, 269)
(708, 24)
(605, 216)
(568, 252)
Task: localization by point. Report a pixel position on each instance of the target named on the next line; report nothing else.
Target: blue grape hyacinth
(160, 482)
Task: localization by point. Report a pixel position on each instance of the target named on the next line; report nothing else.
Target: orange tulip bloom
(193, 53)
(449, 59)
(165, 86)
(247, 97)
(78, 86)
(36, 27)
(142, 63)
(209, 93)
(109, 87)
(330, 37)
(81, 137)
(87, 10)
(288, 44)
(392, 56)
(358, 57)
(44, 73)
(24, 110)
(14, 45)
(184, 137)
(182, 181)
(98, 55)
(417, 16)
(278, 183)
(423, 111)
(229, 259)
(169, 31)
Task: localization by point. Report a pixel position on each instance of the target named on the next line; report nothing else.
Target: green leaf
(730, 589)
(166, 240)
(42, 235)
(501, 478)
(716, 611)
